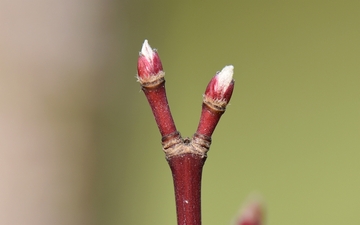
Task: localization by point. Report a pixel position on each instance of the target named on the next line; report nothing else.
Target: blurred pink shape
(251, 214)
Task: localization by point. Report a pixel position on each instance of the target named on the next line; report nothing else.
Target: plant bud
(149, 63)
(220, 88)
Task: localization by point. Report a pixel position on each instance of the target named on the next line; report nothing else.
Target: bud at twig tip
(150, 71)
(220, 88)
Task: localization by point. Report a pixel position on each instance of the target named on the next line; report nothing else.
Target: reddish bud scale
(187, 171)
(224, 96)
(149, 67)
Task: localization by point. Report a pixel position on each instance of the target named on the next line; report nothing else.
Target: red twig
(187, 170)
(217, 96)
(151, 78)
(185, 157)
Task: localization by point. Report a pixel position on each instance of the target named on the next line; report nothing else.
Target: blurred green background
(291, 131)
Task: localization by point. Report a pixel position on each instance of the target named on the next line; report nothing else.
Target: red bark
(186, 171)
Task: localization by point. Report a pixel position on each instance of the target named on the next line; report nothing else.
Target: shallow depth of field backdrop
(291, 132)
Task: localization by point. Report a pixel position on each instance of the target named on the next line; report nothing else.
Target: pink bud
(252, 214)
(221, 85)
(217, 96)
(149, 63)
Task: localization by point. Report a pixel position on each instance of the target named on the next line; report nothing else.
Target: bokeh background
(79, 145)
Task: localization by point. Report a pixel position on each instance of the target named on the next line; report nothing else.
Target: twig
(186, 157)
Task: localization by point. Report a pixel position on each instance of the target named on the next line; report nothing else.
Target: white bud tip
(224, 78)
(147, 51)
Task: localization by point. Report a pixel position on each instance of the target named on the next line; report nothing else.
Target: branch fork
(185, 156)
